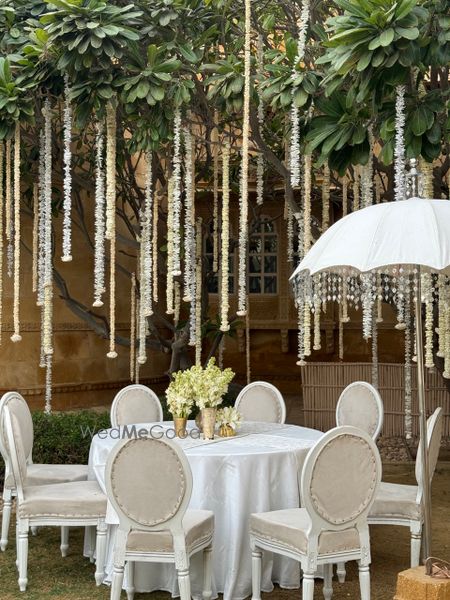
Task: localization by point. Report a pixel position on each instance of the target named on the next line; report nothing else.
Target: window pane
(255, 264)
(231, 285)
(270, 285)
(254, 286)
(255, 244)
(209, 262)
(270, 264)
(270, 244)
(231, 265)
(213, 286)
(208, 245)
(269, 226)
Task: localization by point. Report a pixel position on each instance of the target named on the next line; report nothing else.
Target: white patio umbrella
(412, 235)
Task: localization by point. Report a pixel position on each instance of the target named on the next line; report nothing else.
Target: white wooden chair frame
(312, 559)
(24, 524)
(121, 397)
(415, 526)
(10, 492)
(278, 396)
(180, 557)
(375, 393)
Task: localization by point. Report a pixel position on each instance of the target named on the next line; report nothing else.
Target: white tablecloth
(255, 471)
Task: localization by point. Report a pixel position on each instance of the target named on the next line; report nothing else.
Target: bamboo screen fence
(323, 382)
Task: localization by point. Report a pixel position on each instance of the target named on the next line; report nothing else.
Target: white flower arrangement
(228, 416)
(210, 384)
(179, 396)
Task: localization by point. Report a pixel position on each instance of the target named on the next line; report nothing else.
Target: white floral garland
(446, 334)
(198, 293)
(16, 337)
(295, 124)
(215, 151)
(225, 239)
(67, 184)
(326, 198)
(47, 281)
(41, 221)
(155, 246)
(133, 327)
(341, 333)
(307, 235)
(290, 234)
(307, 328)
(367, 173)
(8, 192)
(317, 310)
(300, 334)
(146, 243)
(260, 163)
(189, 217)
(2, 159)
(170, 269)
(426, 179)
(35, 239)
(243, 200)
(374, 353)
(142, 319)
(408, 378)
(48, 384)
(176, 201)
(427, 295)
(399, 150)
(99, 236)
(440, 330)
(248, 364)
(177, 303)
(111, 143)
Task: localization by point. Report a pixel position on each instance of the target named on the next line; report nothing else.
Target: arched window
(263, 258)
(208, 252)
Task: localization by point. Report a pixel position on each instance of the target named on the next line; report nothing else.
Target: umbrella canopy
(409, 233)
(395, 238)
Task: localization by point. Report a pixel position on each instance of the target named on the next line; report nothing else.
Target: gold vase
(226, 431)
(209, 422)
(180, 426)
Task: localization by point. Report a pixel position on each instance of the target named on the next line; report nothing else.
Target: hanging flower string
(16, 337)
(146, 242)
(132, 326)
(189, 218)
(429, 333)
(170, 227)
(99, 237)
(225, 239)
(8, 210)
(326, 198)
(2, 160)
(67, 184)
(295, 121)
(408, 349)
(35, 242)
(111, 142)
(155, 246)
(399, 150)
(307, 235)
(260, 158)
(176, 200)
(215, 151)
(198, 294)
(243, 201)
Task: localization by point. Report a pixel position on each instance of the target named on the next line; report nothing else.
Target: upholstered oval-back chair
(339, 481)
(261, 401)
(135, 403)
(360, 405)
(149, 484)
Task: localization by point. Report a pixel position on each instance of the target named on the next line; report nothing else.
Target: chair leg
(308, 586)
(364, 581)
(64, 540)
(328, 581)
(92, 533)
(184, 584)
(101, 553)
(256, 574)
(207, 573)
(416, 543)
(6, 517)
(130, 579)
(116, 583)
(22, 533)
(341, 572)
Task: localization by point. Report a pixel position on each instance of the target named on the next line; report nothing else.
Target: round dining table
(257, 470)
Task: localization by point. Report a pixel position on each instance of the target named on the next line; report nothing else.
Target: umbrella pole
(426, 502)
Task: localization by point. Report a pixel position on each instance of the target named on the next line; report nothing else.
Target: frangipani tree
(213, 92)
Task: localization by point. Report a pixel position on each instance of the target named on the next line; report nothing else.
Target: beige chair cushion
(289, 527)
(396, 500)
(77, 499)
(45, 474)
(198, 526)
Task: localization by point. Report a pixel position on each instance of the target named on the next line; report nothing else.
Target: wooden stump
(413, 584)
